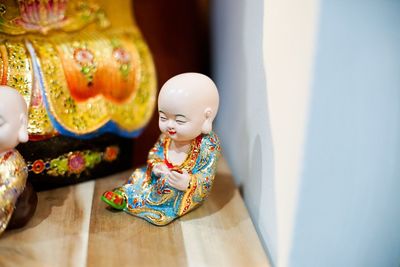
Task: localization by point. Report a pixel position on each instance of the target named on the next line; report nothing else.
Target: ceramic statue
(13, 170)
(181, 166)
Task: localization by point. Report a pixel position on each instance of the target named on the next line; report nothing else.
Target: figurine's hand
(178, 180)
(160, 169)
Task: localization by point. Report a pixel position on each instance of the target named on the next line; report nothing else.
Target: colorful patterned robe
(13, 174)
(149, 197)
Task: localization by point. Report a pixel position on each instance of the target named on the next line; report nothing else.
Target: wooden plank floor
(72, 227)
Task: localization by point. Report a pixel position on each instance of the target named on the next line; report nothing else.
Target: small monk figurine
(13, 169)
(181, 166)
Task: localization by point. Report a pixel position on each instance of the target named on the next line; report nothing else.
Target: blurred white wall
(263, 55)
(310, 124)
(289, 46)
(348, 209)
(243, 120)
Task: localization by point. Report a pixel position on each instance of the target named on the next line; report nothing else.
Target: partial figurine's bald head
(193, 95)
(15, 100)
(13, 118)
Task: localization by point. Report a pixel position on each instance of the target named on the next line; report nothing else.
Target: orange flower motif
(38, 166)
(111, 153)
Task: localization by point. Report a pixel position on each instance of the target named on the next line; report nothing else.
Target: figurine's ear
(206, 128)
(23, 131)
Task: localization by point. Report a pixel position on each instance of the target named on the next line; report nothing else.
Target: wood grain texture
(72, 227)
(57, 234)
(221, 233)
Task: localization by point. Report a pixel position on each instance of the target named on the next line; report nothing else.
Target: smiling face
(187, 105)
(13, 119)
(180, 123)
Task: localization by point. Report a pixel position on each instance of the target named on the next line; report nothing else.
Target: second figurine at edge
(18, 199)
(181, 166)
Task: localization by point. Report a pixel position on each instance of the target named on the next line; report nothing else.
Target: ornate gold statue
(82, 67)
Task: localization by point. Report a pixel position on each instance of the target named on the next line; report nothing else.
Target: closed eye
(181, 119)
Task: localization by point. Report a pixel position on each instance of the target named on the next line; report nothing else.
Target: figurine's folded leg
(24, 208)
(115, 199)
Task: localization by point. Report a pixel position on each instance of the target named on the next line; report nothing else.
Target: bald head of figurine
(13, 119)
(187, 105)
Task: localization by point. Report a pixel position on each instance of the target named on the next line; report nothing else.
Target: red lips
(171, 132)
